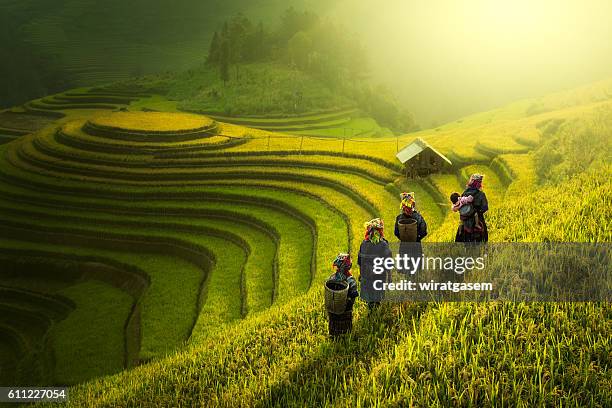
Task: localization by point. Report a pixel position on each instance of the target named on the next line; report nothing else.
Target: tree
(214, 50)
(294, 21)
(300, 47)
(255, 48)
(224, 62)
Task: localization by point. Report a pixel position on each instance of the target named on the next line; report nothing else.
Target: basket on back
(408, 230)
(336, 295)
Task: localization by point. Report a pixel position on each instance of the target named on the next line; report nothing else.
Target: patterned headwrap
(408, 204)
(475, 181)
(374, 230)
(343, 264)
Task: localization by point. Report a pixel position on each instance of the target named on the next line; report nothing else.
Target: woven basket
(336, 294)
(408, 230)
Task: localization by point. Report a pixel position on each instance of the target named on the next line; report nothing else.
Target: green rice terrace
(160, 258)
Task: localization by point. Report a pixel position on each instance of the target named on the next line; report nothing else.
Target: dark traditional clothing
(367, 252)
(477, 232)
(343, 323)
(410, 249)
(421, 224)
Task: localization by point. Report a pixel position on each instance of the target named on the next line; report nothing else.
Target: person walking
(409, 212)
(341, 322)
(410, 229)
(373, 246)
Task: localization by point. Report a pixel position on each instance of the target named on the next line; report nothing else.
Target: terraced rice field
(219, 220)
(206, 243)
(339, 122)
(94, 99)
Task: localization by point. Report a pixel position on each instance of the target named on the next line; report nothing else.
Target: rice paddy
(207, 243)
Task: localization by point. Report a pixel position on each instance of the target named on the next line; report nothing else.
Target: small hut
(420, 159)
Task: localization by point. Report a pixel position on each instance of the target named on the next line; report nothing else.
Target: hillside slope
(251, 219)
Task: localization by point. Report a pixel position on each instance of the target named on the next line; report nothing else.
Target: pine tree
(224, 62)
(214, 50)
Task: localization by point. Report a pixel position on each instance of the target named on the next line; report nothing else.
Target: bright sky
(448, 58)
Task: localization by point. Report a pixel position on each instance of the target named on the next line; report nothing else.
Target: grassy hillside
(255, 90)
(215, 239)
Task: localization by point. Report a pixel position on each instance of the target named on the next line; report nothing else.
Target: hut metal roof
(416, 147)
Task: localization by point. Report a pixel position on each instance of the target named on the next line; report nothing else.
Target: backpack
(466, 212)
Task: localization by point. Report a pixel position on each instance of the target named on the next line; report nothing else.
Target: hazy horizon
(443, 59)
(446, 59)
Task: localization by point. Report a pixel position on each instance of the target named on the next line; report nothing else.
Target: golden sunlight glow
(481, 53)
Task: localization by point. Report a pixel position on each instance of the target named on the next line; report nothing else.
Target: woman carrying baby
(471, 205)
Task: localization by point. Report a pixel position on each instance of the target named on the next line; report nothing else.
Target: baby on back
(467, 213)
(459, 201)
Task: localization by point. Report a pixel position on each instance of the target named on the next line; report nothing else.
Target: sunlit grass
(409, 354)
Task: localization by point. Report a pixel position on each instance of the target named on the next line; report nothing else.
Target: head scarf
(374, 230)
(342, 264)
(475, 181)
(407, 204)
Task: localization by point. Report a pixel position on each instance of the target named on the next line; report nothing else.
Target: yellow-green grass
(522, 172)
(87, 350)
(30, 357)
(306, 118)
(293, 239)
(255, 143)
(473, 337)
(356, 127)
(155, 103)
(426, 204)
(79, 354)
(491, 184)
(46, 142)
(71, 133)
(117, 191)
(257, 273)
(393, 198)
(152, 122)
(323, 214)
(170, 294)
(576, 210)
(370, 193)
(380, 197)
(424, 354)
(445, 184)
(435, 347)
